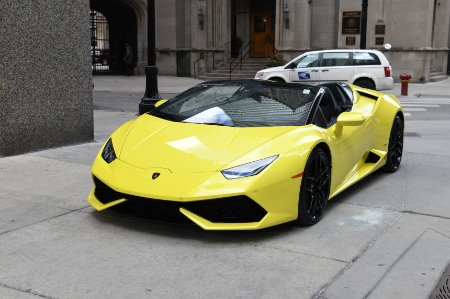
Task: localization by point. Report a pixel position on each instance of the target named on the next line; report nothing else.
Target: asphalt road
(386, 237)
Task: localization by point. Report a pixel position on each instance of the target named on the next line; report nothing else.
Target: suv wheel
(365, 83)
(277, 79)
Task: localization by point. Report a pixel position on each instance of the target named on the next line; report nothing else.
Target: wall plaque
(351, 22)
(350, 40)
(380, 29)
(379, 40)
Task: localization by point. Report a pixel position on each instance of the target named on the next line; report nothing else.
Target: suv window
(364, 58)
(335, 59)
(311, 60)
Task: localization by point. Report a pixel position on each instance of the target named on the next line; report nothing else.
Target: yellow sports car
(246, 154)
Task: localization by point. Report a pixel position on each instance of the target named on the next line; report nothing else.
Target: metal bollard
(405, 80)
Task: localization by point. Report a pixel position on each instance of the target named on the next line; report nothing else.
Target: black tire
(365, 83)
(315, 188)
(395, 147)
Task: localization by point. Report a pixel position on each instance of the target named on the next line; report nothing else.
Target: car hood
(274, 69)
(155, 142)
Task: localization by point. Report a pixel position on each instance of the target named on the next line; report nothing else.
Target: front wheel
(276, 79)
(315, 188)
(395, 147)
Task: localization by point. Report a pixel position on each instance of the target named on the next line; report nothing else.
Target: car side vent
(372, 158)
(367, 95)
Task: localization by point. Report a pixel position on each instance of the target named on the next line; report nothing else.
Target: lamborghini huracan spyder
(247, 154)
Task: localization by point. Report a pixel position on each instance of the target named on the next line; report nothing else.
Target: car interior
(332, 102)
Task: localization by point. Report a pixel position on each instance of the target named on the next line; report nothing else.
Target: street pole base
(147, 105)
(151, 96)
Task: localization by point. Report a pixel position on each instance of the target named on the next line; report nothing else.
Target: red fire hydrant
(405, 80)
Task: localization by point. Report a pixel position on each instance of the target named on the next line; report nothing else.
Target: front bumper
(207, 199)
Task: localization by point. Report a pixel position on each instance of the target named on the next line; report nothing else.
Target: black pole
(364, 24)
(151, 95)
(234, 52)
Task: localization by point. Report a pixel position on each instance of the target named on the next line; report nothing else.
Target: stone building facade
(192, 35)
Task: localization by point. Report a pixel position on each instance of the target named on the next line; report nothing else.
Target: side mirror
(160, 102)
(350, 119)
(291, 66)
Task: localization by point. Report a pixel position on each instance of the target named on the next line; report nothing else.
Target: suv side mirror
(353, 119)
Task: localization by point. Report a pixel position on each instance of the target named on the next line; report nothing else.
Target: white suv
(365, 68)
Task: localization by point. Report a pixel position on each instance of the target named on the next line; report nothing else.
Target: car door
(306, 69)
(336, 67)
(349, 147)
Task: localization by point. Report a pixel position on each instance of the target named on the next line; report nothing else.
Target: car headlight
(249, 169)
(108, 153)
(259, 75)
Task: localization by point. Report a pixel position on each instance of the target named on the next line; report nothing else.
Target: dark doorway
(99, 43)
(262, 27)
(183, 64)
(119, 21)
(253, 22)
(262, 35)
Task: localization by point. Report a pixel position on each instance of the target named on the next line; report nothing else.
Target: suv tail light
(387, 71)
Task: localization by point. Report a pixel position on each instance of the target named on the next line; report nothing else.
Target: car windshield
(241, 104)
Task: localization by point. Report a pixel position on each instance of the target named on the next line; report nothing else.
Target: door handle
(314, 71)
(325, 70)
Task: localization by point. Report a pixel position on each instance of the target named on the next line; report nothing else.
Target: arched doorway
(99, 43)
(115, 25)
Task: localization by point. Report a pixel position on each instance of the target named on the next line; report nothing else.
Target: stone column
(45, 75)
(297, 38)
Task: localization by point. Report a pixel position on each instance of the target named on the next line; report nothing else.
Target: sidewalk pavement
(136, 84)
(386, 237)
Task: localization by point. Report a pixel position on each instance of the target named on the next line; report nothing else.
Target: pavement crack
(405, 189)
(341, 272)
(40, 221)
(395, 262)
(28, 291)
(39, 153)
(367, 206)
(427, 154)
(394, 210)
(425, 214)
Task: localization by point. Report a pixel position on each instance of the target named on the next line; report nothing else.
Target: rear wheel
(365, 83)
(395, 147)
(315, 188)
